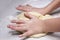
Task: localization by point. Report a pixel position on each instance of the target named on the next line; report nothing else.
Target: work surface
(7, 34)
(7, 10)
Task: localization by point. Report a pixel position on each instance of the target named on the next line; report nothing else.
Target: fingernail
(8, 26)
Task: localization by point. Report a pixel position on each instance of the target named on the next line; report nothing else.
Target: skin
(35, 25)
(52, 25)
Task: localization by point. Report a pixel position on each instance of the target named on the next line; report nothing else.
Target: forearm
(52, 25)
(49, 8)
(52, 6)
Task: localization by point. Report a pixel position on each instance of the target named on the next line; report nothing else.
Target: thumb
(29, 15)
(27, 34)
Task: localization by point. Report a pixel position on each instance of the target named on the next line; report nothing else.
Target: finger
(13, 27)
(29, 15)
(22, 8)
(18, 21)
(19, 7)
(16, 28)
(19, 25)
(27, 34)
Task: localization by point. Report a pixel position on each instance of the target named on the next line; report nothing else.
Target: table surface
(7, 10)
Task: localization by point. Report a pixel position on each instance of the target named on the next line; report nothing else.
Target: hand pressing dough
(38, 15)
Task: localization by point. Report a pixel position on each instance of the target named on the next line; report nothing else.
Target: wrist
(44, 26)
(42, 11)
(47, 25)
(46, 11)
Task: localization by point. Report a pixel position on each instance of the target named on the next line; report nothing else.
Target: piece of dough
(38, 15)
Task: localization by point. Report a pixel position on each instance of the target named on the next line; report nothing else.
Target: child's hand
(33, 26)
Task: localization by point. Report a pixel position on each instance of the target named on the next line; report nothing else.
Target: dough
(38, 15)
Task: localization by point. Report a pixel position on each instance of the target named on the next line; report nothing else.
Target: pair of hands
(30, 27)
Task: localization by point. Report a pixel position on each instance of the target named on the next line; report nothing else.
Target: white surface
(7, 8)
(38, 3)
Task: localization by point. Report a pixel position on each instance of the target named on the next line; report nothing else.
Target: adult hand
(32, 26)
(29, 8)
